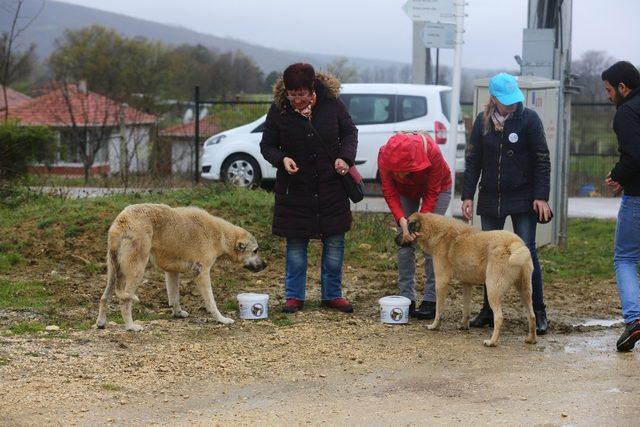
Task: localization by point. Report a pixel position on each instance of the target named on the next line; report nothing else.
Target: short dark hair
(299, 76)
(622, 72)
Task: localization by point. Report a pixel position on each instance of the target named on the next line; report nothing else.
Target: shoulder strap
(323, 146)
(424, 143)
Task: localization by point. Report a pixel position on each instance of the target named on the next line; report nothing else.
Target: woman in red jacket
(415, 177)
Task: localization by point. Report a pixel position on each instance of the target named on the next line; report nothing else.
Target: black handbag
(353, 186)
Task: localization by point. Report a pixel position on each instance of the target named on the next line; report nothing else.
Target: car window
(445, 97)
(411, 107)
(369, 109)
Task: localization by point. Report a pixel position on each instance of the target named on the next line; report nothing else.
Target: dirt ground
(318, 366)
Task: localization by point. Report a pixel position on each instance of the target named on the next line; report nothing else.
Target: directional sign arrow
(430, 10)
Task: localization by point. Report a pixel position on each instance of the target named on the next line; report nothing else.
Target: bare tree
(344, 72)
(8, 41)
(589, 67)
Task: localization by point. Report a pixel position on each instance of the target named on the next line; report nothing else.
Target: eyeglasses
(300, 95)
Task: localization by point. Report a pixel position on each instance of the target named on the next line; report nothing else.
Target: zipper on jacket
(499, 169)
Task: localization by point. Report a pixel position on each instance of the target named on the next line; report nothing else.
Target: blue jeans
(626, 256)
(524, 225)
(295, 277)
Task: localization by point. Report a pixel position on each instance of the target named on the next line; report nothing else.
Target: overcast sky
(380, 29)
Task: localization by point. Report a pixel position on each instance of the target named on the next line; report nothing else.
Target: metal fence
(593, 150)
(593, 147)
(226, 114)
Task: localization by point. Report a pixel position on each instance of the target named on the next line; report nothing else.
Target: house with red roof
(177, 141)
(109, 135)
(14, 99)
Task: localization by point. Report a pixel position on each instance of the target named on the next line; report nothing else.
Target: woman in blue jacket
(508, 148)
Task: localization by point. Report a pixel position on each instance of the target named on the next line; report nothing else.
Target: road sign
(441, 36)
(430, 10)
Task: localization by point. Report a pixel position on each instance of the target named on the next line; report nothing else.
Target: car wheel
(241, 170)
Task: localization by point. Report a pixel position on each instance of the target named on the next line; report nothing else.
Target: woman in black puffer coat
(310, 138)
(509, 150)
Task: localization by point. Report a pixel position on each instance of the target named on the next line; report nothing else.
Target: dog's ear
(414, 226)
(241, 246)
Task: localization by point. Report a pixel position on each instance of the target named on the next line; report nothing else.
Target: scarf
(499, 119)
(306, 111)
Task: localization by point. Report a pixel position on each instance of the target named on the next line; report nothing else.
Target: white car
(378, 110)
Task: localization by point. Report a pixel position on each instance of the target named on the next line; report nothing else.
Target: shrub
(21, 145)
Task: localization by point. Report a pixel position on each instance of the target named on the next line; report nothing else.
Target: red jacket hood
(404, 153)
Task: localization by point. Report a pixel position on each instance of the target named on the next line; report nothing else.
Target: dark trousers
(524, 225)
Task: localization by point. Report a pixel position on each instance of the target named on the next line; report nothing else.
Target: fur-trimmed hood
(326, 85)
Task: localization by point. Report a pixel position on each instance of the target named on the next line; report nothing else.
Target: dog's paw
(530, 340)
(433, 326)
(135, 328)
(180, 314)
(226, 321)
(488, 343)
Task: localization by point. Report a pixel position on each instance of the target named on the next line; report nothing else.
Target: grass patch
(110, 387)
(46, 223)
(9, 259)
(282, 319)
(4, 361)
(230, 305)
(72, 230)
(93, 268)
(29, 328)
(22, 295)
(589, 252)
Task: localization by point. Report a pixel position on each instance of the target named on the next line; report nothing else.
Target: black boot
(485, 317)
(426, 311)
(542, 324)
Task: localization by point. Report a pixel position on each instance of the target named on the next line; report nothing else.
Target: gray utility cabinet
(541, 95)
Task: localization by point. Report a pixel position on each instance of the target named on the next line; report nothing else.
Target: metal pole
(455, 83)
(428, 77)
(564, 121)
(418, 60)
(437, 64)
(196, 118)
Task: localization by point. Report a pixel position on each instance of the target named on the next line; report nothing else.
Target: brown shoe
(292, 305)
(340, 304)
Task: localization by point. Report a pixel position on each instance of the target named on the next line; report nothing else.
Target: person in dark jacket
(310, 138)
(622, 83)
(508, 148)
(415, 177)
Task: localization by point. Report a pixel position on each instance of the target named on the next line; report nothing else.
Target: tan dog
(499, 259)
(177, 240)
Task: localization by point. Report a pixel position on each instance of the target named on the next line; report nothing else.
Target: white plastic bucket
(394, 309)
(253, 306)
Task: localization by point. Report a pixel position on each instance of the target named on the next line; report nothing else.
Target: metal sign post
(438, 24)
(428, 18)
(457, 73)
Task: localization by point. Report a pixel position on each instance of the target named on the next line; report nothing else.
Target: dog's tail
(115, 276)
(520, 254)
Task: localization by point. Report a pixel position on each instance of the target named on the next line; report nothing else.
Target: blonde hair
(489, 108)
